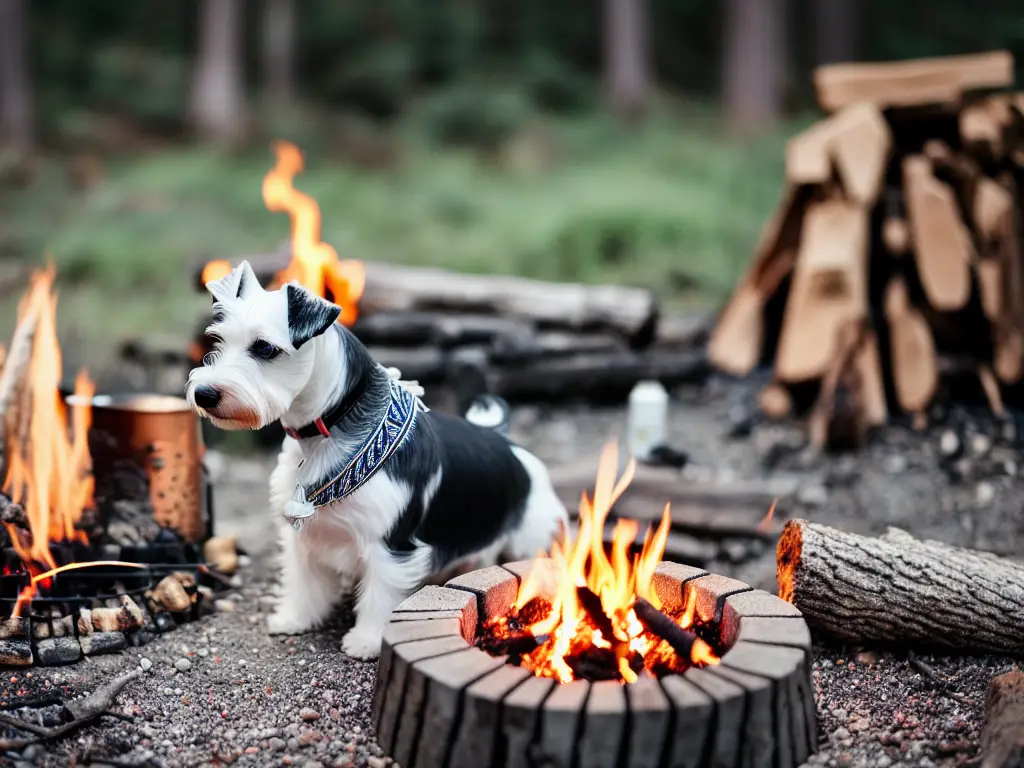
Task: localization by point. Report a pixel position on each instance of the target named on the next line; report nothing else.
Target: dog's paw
(362, 643)
(283, 623)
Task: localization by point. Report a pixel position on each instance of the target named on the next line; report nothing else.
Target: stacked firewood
(891, 271)
(513, 337)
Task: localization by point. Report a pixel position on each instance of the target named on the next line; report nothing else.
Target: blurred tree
(16, 132)
(279, 50)
(835, 30)
(626, 57)
(217, 109)
(754, 62)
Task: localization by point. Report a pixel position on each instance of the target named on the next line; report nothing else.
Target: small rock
(309, 715)
(883, 761)
(276, 744)
(949, 444)
(840, 733)
(981, 444)
(224, 606)
(984, 493)
(895, 464)
(375, 762)
(868, 658)
(146, 664)
(812, 495)
(183, 665)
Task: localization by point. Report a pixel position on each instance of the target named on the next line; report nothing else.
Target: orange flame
(48, 466)
(618, 581)
(767, 522)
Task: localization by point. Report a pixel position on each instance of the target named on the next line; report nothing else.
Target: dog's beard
(243, 404)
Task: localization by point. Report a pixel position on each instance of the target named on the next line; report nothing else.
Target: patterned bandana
(379, 447)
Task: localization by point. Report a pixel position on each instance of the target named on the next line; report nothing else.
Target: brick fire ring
(440, 702)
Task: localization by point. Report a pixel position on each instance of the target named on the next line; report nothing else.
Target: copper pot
(158, 437)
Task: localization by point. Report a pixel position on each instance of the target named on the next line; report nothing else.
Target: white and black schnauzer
(372, 489)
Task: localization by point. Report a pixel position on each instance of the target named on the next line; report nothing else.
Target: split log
(914, 363)
(628, 311)
(829, 289)
(736, 343)
(917, 82)
(900, 590)
(1002, 738)
(411, 329)
(942, 246)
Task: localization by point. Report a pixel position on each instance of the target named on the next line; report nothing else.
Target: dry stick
(900, 590)
(1002, 738)
(80, 711)
(660, 625)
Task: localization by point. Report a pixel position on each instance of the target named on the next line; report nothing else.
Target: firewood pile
(518, 338)
(889, 278)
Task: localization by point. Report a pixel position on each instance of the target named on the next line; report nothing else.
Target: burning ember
(314, 264)
(592, 616)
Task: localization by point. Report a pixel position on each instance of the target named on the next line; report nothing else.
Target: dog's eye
(264, 350)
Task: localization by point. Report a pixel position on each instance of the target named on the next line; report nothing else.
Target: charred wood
(660, 625)
(898, 590)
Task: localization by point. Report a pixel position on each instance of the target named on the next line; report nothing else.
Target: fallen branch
(896, 589)
(1002, 738)
(79, 713)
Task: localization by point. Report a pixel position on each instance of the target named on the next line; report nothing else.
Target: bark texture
(626, 57)
(754, 69)
(15, 91)
(896, 589)
(217, 108)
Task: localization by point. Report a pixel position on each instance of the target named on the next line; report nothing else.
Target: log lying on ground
(898, 590)
(1002, 739)
(631, 312)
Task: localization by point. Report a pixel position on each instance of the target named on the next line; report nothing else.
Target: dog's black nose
(206, 396)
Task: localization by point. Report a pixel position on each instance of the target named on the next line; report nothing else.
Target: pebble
(183, 665)
(224, 606)
(145, 664)
(309, 715)
(276, 744)
(984, 493)
(375, 762)
(840, 733)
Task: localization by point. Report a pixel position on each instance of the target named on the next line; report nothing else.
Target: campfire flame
(314, 264)
(618, 581)
(48, 463)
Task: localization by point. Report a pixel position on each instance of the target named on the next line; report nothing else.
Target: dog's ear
(308, 314)
(238, 285)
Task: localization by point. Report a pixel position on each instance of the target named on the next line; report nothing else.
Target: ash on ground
(222, 691)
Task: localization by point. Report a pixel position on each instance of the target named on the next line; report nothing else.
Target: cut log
(608, 376)
(630, 312)
(519, 350)
(990, 283)
(989, 126)
(829, 289)
(916, 82)
(1002, 738)
(898, 590)
(736, 343)
(409, 329)
(870, 388)
(808, 159)
(832, 414)
(942, 245)
(914, 364)
(992, 203)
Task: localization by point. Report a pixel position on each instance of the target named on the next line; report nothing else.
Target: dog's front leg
(308, 591)
(388, 578)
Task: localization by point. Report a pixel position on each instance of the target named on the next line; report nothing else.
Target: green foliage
(674, 207)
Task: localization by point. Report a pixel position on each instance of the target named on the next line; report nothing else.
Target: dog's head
(261, 359)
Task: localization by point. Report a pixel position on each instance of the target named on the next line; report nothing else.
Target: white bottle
(647, 418)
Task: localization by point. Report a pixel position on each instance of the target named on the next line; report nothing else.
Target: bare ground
(245, 698)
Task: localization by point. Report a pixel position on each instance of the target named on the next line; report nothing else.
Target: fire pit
(106, 510)
(587, 658)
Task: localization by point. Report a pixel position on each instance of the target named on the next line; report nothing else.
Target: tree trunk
(279, 50)
(898, 590)
(835, 31)
(626, 57)
(15, 98)
(218, 101)
(754, 68)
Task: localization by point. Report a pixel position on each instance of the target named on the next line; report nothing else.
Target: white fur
(341, 544)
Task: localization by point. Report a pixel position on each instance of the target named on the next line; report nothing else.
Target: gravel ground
(221, 691)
